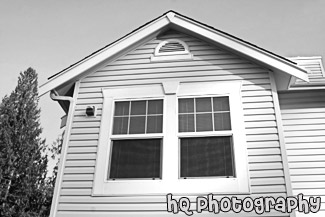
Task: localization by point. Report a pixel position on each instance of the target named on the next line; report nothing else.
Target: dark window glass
(203, 104)
(137, 124)
(136, 159)
(155, 107)
(154, 124)
(222, 121)
(221, 103)
(204, 122)
(186, 105)
(206, 156)
(186, 123)
(122, 108)
(120, 125)
(138, 107)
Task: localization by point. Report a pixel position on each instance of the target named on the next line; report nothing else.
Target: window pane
(138, 107)
(186, 105)
(222, 121)
(120, 125)
(206, 156)
(186, 123)
(136, 159)
(155, 107)
(221, 103)
(137, 124)
(203, 104)
(154, 124)
(122, 108)
(204, 122)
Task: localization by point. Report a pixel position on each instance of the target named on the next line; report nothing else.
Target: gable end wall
(209, 64)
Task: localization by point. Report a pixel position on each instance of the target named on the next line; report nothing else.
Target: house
(178, 107)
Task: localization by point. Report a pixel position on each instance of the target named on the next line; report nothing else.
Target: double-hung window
(136, 158)
(204, 153)
(181, 138)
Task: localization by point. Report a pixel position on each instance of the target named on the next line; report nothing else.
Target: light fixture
(91, 111)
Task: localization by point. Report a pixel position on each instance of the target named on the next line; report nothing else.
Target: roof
(172, 19)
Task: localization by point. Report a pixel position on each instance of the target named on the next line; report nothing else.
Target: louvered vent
(315, 70)
(171, 47)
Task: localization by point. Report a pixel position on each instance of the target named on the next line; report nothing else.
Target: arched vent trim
(171, 47)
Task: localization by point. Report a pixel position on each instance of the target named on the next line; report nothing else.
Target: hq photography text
(259, 205)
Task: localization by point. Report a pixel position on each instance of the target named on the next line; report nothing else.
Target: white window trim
(170, 182)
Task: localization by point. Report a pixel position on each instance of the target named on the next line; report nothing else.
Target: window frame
(170, 181)
(199, 134)
(128, 136)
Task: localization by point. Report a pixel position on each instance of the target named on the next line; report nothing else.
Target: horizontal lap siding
(209, 64)
(303, 115)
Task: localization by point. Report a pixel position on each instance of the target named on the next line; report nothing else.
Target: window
(205, 156)
(136, 158)
(185, 138)
(171, 49)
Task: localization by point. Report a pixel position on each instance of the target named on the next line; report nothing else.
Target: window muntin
(204, 114)
(138, 117)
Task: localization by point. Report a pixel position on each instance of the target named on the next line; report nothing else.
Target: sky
(51, 35)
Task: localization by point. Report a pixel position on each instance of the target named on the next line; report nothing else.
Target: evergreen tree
(24, 190)
(55, 151)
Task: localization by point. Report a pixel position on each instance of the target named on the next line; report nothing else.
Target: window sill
(178, 187)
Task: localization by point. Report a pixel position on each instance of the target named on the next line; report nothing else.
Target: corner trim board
(58, 183)
(283, 150)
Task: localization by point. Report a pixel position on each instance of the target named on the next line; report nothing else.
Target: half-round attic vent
(172, 46)
(171, 49)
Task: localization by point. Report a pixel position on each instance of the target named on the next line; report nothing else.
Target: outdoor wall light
(91, 111)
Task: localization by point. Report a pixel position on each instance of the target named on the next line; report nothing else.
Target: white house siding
(303, 116)
(210, 64)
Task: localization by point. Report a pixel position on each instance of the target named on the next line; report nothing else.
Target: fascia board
(240, 47)
(304, 58)
(103, 55)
